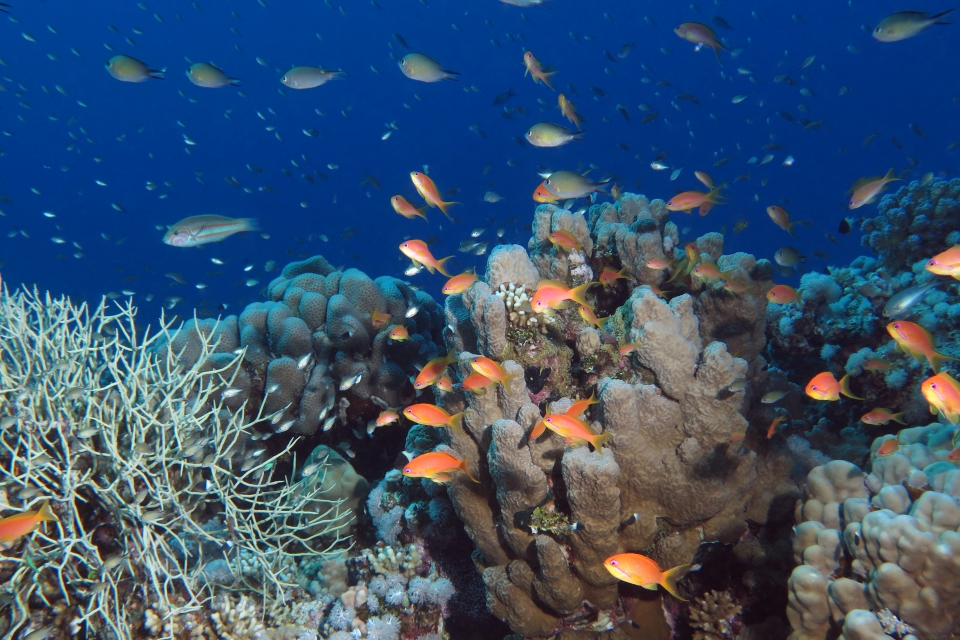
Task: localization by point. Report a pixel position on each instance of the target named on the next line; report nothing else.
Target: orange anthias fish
(824, 386)
(541, 194)
(700, 35)
(476, 383)
(882, 416)
(943, 394)
(866, 190)
(657, 264)
(459, 284)
(773, 426)
(591, 318)
(18, 525)
(552, 294)
(575, 410)
(436, 466)
(419, 252)
(429, 192)
(783, 294)
(574, 430)
(445, 384)
(569, 111)
(704, 179)
(642, 571)
(535, 69)
(491, 369)
(629, 348)
(399, 333)
(690, 200)
(565, 240)
(707, 271)
(402, 206)
(609, 276)
(946, 263)
(781, 218)
(433, 416)
(378, 318)
(432, 371)
(917, 341)
(888, 448)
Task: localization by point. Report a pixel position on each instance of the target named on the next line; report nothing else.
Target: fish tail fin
(670, 578)
(714, 195)
(250, 224)
(898, 417)
(456, 422)
(46, 513)
(716, 46)
(235, 82)
(545, 77)
(578, 294)
(599, 440)
(538, 430)
(450, 75)
(845, 388)
(937, 360)
(441, 266)
(156, 74)
(443, 207)
(890, 176)
(466, 470)
(940, 15)
(420, 212)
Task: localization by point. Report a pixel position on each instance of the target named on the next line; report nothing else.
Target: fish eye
(407, 470)
(613, 563)
(815, 388)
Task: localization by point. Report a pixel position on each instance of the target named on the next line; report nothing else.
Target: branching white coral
(519, 311)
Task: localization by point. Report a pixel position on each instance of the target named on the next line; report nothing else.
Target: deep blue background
(51, 143)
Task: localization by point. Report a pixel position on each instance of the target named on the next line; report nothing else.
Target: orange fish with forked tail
(16, 526)
(535, 69)
(419, 252)
(402, 206)
(551, 294)
(575, 410)
(824, 386)
(946, 263)
(491, 370)
(645, 572)
(781, 218)
(690, 200)
(437, 466)
(917, 341)
(943, 394)
(429, 192)
(574, 431)
(433, 416)
(866, 190)
(432, 371)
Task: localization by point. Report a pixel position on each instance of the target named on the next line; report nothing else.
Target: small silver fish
(304, 361)
(658, 166)
(328, 424)
(901, 303)
(348, 381)
(412, 311)
(231, 392)
(476, 233)
(284, 427)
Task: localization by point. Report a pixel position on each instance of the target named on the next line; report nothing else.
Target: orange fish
(690, 200)
(783, 294)
(700, 35)
(569, 111)
(609, 276)
(657, 264)
(542, 194)
(436, 466)
(824, 386)
(445, 384)
(419, 252)
(773, 426)
(387, 417)
(954, 456)
(18, 525)
(737, 288)
(574, 430)
(429, 192)
(946, 263)
(943, 394)
(866, 190)
(552, 294)
(432, 371)
(459, 284)
(704, 179)
(433, 416)
(476, 383)
(917, 341)
(708, 271)
(490, 369)
(536, 70)
(378, 319)
(882, 416)
(781, 218)
(629, 348)
(591, 318)
(565, 240)
(399, 333)
(407, 210)
(642, 571)
(575, 410)
(877, 364)
(889, 447)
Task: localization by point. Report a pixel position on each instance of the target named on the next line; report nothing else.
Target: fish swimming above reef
(197, 230)
(436, 466)
(18, 525)
(419, 252)
(917, 341)
(423, 68)
(570, 184)
(943, 394)
(429, 192)
(906, 24)
(946, 263)
(536, 70)
(866, 190)
(643, 571)
(547, 135)
(309, 77)
(901, 303)
(208, 76)
(824, 386)
(701, 35)
(128, 69)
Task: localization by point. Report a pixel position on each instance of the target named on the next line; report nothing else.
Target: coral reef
(715, 616)
(879, 552)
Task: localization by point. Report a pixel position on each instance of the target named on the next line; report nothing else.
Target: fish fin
(898, 417)
(937, 360)
(443, 207)
(670, 578)
(716, 50)
(156, 74)
(890, 176)
(46, 513)
(441, 266)
(420, 212)
(538, 430)
(600, 440)
(440, 478)
(940, 15)
(466, 470)
(456, 422)
(235, 82)
(845, 388)
(578, 294)
(450, 75)
(545, 77)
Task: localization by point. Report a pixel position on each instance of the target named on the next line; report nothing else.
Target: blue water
(125, 135)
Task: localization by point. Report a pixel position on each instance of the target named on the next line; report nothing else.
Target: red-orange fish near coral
(419, 252)
(437, 466)
(429, 192)
(536, 70)
(824, 386)
(551, 294)
(433, 416)
(645, 572)
(866, 190)
(20, 524)
(917, 341)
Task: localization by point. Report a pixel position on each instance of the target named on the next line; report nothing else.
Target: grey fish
(309, 77)
(901, 303)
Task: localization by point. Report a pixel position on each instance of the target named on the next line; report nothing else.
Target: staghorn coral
(160, 492)
(880, 552)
